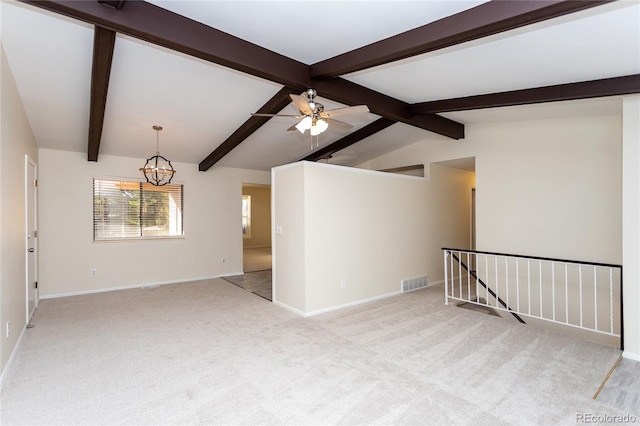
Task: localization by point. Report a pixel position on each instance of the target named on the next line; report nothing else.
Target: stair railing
(579, 294)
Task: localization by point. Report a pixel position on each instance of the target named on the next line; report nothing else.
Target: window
(246, 216)
(136, 210)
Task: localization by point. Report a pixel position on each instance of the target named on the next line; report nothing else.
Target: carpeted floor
(209, 352)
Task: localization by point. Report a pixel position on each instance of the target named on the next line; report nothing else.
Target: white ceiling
(200, 104)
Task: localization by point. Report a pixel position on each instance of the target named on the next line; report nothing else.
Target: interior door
(31, 229)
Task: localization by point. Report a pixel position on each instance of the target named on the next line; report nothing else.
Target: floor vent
(414, 283)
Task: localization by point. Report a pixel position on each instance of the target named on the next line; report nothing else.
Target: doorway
(31, 235)
(466, 238)
(473, 219)
(256, 227)
(256, 241)
(472, 230)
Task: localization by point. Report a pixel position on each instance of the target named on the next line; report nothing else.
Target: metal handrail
(548, 259)
(574, 298)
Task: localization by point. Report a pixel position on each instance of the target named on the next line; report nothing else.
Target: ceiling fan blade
(292, 127)
(302, 104)
(336, 123)
(257, 114)
(343, 111)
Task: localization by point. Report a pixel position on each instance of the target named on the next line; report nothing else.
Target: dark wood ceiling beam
(162, 27)
(350, 139)
(344, 91)
(561, 92)
(273, 106)
(103, 45)
(481, 21)
(155, 25)
(117, 4)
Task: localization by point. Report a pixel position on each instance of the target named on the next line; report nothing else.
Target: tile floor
(258, 282)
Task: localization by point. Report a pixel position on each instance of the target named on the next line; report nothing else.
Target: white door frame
(31, 235)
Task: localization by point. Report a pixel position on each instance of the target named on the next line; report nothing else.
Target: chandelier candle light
(158, 170)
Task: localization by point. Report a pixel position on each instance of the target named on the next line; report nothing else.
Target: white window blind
(136, 210)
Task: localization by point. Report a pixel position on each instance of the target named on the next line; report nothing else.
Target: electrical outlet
(8, 328)
(223, 260)
(343, 284)
(94, 272)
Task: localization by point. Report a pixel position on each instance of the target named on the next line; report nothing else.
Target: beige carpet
(210, 352)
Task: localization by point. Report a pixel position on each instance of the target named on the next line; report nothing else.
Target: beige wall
(289, 236)
(212, 227)
(260, 216)
(366, 230)
(631, 225)
(16, 141)
(551, 188)
(546, 188)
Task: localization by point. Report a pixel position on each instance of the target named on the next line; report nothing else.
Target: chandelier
(158, 170)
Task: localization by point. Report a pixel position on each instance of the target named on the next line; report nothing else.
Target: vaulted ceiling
(95, 76)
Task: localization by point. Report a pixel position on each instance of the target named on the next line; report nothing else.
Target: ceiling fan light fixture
(319, 127)
(304, 124)
(312, 115)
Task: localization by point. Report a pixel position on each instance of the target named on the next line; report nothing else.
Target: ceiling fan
(314, 117)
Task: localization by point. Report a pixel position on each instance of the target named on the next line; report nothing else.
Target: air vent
(415, 283)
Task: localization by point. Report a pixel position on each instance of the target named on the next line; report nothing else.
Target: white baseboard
(335, 308)
(226, 275)
(350, 304)
(289, 308)
(14, 353)
(630, 355)
(435, 283)
(139, 285)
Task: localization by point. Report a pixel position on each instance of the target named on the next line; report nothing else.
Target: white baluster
(506, 280)
(497, 283)
(486, 278)
(452, 277)
(460, 293)
(529, 285)
(540, 285)
(468, 278)
(566, 295)
(518, 284)
(580, 290)
(553, 289)
(477, 278)
(446, 279)
(595, 296)
(611, 300)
